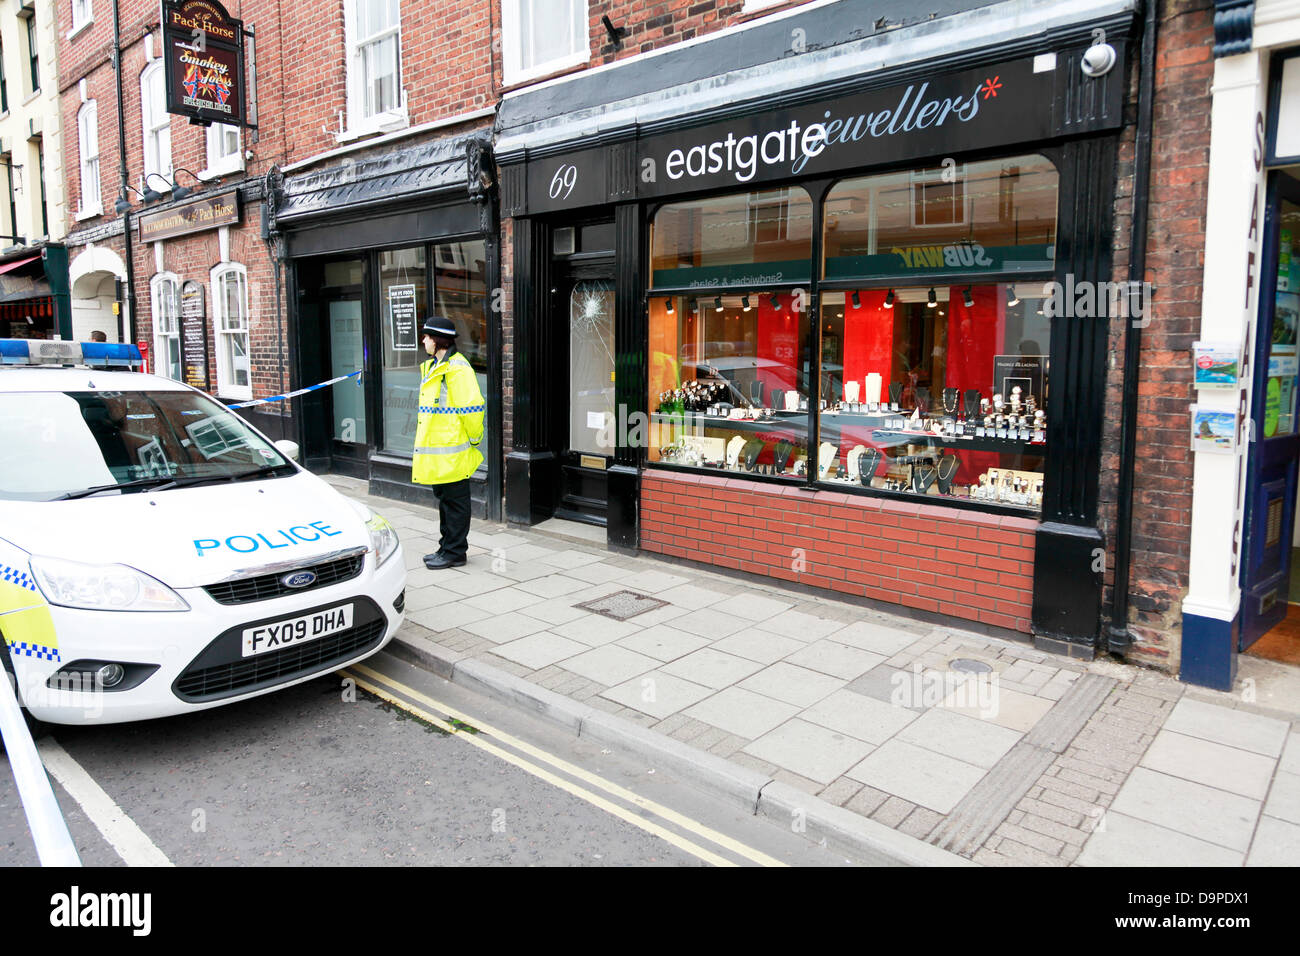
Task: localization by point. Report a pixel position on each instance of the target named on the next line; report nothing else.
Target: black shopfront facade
(368, 247)
(766, 272)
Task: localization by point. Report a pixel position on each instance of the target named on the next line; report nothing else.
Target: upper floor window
(81, 14)
(156, 122)
(230, 316)
(224, 153)
(33, 52)
(4, 86)
(88, 143)
(376, 99)
(543, 36)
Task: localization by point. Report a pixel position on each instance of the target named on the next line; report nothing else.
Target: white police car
(158, 555)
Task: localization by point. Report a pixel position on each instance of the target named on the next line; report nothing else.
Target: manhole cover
(622, 605)
(967, 666)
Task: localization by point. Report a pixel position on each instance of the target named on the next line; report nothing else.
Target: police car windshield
(63, 444)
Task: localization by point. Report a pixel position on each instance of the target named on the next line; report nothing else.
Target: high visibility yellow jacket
(450, 423)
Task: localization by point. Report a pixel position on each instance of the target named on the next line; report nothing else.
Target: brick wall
(1162, 495)
(966, 564)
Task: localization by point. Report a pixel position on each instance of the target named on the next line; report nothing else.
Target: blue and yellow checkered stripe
(11, 575)
(451, 409)
(38, 651)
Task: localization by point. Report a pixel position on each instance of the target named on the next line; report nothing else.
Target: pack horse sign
(203, 48)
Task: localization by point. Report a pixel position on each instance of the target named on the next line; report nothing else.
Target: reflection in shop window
(460, 293)
(993, 216)
(401, 307)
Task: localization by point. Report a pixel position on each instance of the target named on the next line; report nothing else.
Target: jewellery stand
(948, 467)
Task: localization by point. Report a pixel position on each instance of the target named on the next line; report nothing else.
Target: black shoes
(436, 562)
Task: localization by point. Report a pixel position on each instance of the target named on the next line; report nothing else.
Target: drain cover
(622, 605)
(967, 666)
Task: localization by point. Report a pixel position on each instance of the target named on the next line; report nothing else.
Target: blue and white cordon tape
(301, 391)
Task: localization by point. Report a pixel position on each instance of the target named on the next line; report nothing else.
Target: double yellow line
(410, 700)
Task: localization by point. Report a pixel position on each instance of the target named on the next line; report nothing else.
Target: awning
(10, 266)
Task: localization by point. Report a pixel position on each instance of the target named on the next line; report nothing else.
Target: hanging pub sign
(194, 336)
(203, 52)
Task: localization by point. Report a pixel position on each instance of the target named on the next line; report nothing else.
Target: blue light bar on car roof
(118, 355)
(112, 355)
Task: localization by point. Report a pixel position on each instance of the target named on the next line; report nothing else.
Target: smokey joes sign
(203, 49)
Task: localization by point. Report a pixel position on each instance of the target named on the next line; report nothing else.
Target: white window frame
(226, 388)
(154, 122)
(82, 16)
(751, 5)
(359, 124)
(219, 165)
(92, 202)
(157, 299)
(513, 70)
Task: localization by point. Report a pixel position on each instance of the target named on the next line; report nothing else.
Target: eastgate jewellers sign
(925, 117)
(203, 52)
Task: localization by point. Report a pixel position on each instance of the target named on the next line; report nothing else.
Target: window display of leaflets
(1217, 365)
(1214, 430)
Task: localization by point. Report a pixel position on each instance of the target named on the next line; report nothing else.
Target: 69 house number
(562, 183)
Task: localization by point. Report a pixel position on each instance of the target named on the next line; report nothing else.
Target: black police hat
(438, 325)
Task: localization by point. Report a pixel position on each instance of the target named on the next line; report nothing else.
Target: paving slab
(1277, 843)
(711, 623)
(1284, 799)
(657, 694)
(1122, 840)
(1215, 765)
(799, 625)
(691, 596)
(753, 606)
(972, 741)
(742, 712)
(809, 750)
(866, 719)
(594, 630)
(759, 646)
(1206, 813)
(712, 668)
(794, 685)
(502, 628)
(610, 665)
(539, 650)
(663, 642)
(1236, 728)
(838, 660)
(1011, 708)
(918, 776)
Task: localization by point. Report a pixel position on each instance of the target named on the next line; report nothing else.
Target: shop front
(370, 247)
(839, 337)
(34, 301)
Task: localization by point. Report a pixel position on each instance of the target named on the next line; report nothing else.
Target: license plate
(277, 635)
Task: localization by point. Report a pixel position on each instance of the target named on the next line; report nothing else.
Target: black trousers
(453, 518)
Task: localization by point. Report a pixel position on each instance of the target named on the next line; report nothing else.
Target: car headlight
(383, 539)
(102, 587)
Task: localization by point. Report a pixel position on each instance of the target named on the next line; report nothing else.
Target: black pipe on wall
(1119, 638)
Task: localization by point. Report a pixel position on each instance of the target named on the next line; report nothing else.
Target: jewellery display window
(727, 390)
(936, 391)
(927, 342)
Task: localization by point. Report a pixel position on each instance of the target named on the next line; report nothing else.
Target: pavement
(893, 740)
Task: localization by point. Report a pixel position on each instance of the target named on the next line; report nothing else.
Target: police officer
(447, 436)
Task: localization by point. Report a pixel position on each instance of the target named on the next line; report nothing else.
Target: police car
(158, 555)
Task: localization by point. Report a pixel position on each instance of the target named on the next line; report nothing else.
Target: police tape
(301, 391)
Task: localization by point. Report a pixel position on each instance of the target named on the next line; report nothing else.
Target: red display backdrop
(778, 343)
(975, 335)
(868, 340)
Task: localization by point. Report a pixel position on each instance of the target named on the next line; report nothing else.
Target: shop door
(586, 306)
(1272, 472)
(333, 344)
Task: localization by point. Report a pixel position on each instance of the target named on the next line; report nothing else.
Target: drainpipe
(124, 191)
(1119, 639)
